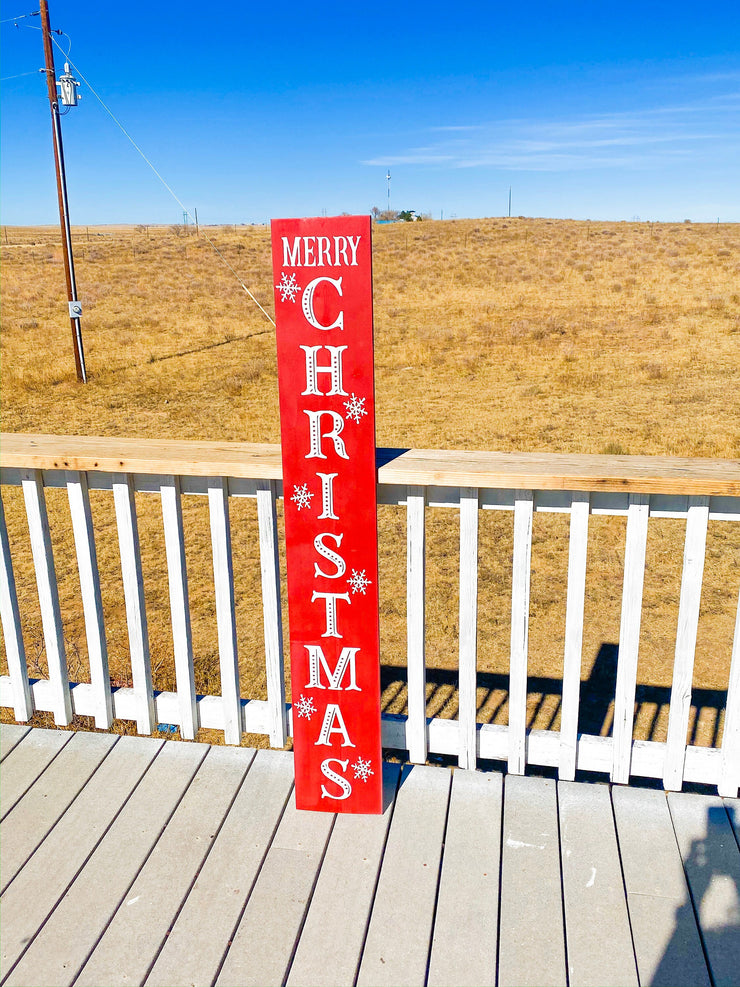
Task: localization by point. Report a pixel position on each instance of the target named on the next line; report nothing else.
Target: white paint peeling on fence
(567, 750)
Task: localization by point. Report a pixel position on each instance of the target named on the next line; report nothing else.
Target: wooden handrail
(502, 470)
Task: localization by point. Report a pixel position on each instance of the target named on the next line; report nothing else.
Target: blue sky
(587, 110)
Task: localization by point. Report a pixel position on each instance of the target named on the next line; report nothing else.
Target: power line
(7, 78)
(20, 17)
(169, 189)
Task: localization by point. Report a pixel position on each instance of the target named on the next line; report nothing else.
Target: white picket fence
(636, 487)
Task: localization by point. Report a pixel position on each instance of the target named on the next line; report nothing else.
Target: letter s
(337, 779)
(326, 553)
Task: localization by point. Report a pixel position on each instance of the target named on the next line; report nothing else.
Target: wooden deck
(129, 860)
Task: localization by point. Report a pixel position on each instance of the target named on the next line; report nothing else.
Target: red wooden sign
(323, 307)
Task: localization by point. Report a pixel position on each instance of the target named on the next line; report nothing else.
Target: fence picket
(730, 764)
(416, 725)
(133, 592)
(688, 622)
(468, 706)
(174, 541)
(629, 635)
(10, 616)
(270, 567)
(223, 578)
(577, 553)
(46, 581)
(92, 603)
(521, 568)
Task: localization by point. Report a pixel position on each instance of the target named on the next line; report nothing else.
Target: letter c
(307, 303)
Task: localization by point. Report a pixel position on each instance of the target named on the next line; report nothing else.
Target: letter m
(317, 661)
(291, 258)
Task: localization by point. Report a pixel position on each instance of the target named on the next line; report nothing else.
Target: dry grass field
(518, 334)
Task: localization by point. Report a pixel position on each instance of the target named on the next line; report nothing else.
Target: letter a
(333, 712)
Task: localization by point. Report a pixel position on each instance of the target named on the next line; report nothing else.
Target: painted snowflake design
(358, 582)
(302, 496)
(362, 769)
(288, 287)
(355, 408)
(305, 707)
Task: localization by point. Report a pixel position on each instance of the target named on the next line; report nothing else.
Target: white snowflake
(302, 496)
(355, 408)
(288, 287)
(362, 769)
(305, 707)
(358, 582)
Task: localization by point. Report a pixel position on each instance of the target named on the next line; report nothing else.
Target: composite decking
(131, 860)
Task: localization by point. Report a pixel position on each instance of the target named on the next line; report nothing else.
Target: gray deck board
(666, 938)
(593, 890)
(198, 940)
(531, 949)
(399, 935)
(26, 762)
(47, 799)
(41, 883)
(11, 734)
(334, 931)
(465, 940)
(712, 865)
(139, 927)
(733, 811)
(263, 945)
(176, 863)
(64, 943)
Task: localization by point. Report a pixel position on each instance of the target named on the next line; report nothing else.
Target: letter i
(327, 495)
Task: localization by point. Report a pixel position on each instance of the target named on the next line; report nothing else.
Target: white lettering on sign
(316, 436)
(317, 661)
(326, 553)
(327, 495)
(307, 304)
(320, 251)
(313, 370)
(331, 610)
(332, 716)
(344, 785)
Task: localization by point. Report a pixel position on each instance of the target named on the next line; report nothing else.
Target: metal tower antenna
(388, 179)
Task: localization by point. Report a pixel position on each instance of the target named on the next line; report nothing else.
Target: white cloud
(630, 139)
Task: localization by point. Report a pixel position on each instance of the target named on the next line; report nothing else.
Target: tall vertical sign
(323, 305)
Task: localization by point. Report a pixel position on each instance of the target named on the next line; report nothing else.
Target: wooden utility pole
(75, 309)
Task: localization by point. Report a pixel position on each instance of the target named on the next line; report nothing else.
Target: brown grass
(490, 334)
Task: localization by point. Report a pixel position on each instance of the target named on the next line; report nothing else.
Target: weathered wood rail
(636, 487)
